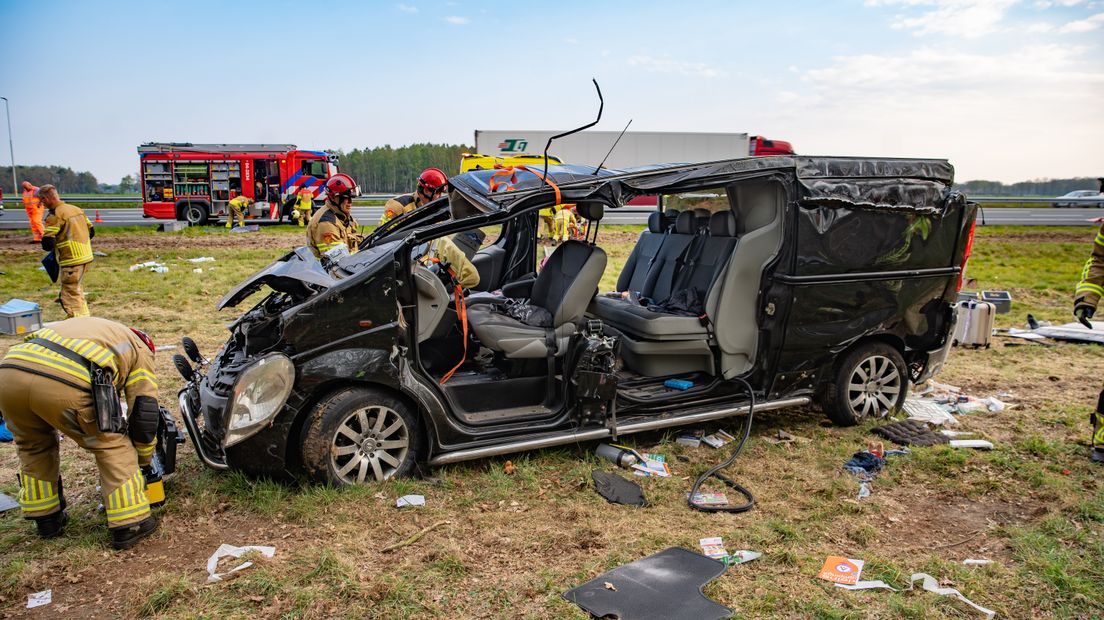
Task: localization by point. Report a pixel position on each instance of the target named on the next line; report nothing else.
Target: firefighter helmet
(145, 338)
(432, 181)
(341, 185)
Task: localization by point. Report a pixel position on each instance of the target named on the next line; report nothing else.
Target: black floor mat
(618, 489)
(910, 433)
(663, 586)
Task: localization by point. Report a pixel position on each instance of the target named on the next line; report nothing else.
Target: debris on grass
(709, 498)
(843, 570)
(972, 443)
(230, 551)
(410, 500)
(202, 259)
(508, 468)
(618, 490)
(692, 441)
(866, 585)
(713, 547)
(781, 437)
(930, 584)
(152, 265)
(718, 439)
(910, 432)
(38, 599)
(7, 502)
(652, 465)
(413, 539)
(621, 456)
(976, 562)
(741, 557)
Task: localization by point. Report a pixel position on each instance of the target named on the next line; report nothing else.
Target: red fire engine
(194, 182)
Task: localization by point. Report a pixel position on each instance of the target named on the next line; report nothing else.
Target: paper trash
(38, 599)
(230, 551)
(866, 585)
(841, 570)
(931, 585)
(972, 443)
(202, 259)
(713, 547)
(410, 500)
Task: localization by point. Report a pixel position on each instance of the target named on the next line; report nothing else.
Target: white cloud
(1084, 25)
(1046, 4)
(456, 20)
(1040, 27)
(571, 41)
(407, 8)
(959, 18)
(667, 65)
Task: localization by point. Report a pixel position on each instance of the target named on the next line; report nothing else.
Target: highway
(17, 218)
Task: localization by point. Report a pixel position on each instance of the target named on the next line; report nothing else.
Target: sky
(1007, 90)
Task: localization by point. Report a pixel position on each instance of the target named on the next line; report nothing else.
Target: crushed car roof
(852, 182)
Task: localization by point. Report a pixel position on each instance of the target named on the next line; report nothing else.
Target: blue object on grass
(678, 384)
(5, 434)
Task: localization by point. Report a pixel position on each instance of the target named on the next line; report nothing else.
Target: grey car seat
(564, 288)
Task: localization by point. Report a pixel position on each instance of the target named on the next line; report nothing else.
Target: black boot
(51, 526)
(128, 536)
(1097, 455)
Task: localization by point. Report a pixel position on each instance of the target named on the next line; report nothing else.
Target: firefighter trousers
(1097, 421)
(71, 296)
(36, 408)
(236, 212)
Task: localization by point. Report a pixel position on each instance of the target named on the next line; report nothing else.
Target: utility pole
(11, 149)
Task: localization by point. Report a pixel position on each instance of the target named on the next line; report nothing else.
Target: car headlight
(258, 395)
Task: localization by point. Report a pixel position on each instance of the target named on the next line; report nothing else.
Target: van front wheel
(870, 383)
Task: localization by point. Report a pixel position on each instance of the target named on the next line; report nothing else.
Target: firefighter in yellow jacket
(1085, 299)
(333, 225)
(68, 234)
(48, 387)
(431, 186)
(304, 204)
(238, 207)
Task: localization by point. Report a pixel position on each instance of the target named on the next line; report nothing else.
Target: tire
(870, 381)
(361, 435)
(195, 214)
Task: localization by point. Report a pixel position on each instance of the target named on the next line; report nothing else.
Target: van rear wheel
(870, 382)
(360, 436)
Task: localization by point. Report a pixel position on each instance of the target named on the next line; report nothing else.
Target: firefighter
(33, 205)
(564, 224)
(48, 388)
(1086, 297)
(238, 208)
(304, 204)
(547, 230)
(333, 225)
(431, 185)
(68, 234)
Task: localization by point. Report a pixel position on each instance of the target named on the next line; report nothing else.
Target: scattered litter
(508, 468)
(718, 439)
(678, 384)
(910, 432)
(38, 599)
(993, 404)
(410, 500)
(689, 440)
(864, 489)
(927, 411)
(864, 464)
(782, 437)
(1074, 332)
(976, 562)
(665, 585)
(973, 406)
(841, 570)
(618, 490)
(741, 557)
(7, 502)
(709, 498)
(146, 265)
(931, 585)
(244, 229)
(413, 539)
(972, 443)
(202, 259)
(652, 465)
(99, 253)
(956, 433)
(230, 551)
(620, 456)
(166, 347)
(866, 585)
(197, 270)
(713, 547)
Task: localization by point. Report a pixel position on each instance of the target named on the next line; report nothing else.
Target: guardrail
(137, 200)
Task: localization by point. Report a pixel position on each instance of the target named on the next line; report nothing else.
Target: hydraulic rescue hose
(713, 471)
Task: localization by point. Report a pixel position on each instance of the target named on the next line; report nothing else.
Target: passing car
(1081, 197)
(787, 280)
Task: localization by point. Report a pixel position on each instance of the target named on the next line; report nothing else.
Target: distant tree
(126, 184)
(386, 169)
(65, 179)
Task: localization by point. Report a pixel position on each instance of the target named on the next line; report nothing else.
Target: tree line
(65, 179)
(386, 169)
(1039, 187)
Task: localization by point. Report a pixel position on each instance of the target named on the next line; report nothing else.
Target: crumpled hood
(297, 273)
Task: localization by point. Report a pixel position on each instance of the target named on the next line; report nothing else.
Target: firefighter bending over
(333, 226)
(431, 185)
(1086, 297)
(68, 234)
(67, 378)
(238, 208)
(304, 204)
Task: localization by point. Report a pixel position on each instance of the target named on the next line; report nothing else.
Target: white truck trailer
(636, 148)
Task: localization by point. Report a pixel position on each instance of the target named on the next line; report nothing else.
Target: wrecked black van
(788, 279)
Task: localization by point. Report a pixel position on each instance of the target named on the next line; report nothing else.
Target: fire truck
(194, 182)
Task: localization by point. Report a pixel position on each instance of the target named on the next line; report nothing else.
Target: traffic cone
(98, 218)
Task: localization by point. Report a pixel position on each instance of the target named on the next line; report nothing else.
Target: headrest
(656, 222)
(722, 224)
(590, 210)
(685, 223)
(702, 214)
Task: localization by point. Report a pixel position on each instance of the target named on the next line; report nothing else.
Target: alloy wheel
(873, 387)
(371, 443)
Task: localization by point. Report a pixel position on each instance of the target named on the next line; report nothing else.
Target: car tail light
(966, 255)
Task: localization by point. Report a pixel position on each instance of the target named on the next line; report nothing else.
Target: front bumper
(205, 448)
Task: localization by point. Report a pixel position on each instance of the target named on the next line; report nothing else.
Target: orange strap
(461, 313)
(510, 174)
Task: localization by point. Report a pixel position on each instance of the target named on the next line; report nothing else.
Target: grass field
(510, 544)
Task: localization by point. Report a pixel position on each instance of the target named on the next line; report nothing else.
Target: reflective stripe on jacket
(1091, 287)
(71, 230)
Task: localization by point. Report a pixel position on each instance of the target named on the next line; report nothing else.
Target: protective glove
(1084, 312)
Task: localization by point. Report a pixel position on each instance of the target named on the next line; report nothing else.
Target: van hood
(297, 273)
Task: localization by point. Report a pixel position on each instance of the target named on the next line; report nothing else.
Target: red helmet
(144, 337)
(341, 185)
(431, 181)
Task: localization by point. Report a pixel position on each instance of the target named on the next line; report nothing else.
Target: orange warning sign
(841, 570)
